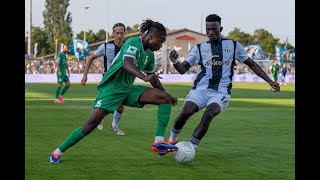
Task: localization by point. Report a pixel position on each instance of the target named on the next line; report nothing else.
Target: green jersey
(62, 60)
(117, 76)
(275, 69)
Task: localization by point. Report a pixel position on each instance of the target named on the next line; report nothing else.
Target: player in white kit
(213, 84)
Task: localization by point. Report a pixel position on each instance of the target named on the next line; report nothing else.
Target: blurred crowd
(241, 68)
(77, 67)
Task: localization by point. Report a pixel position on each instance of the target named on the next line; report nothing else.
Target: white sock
(174, 134)
(57, 151)
(194, 145)
(116, 119)
(158, 138)
(101, 123)
(194, 141)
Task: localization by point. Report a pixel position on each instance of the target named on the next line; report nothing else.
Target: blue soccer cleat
(162, 148)
(55, 158)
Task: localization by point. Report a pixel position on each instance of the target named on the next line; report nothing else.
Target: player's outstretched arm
(58, 68)
(180, 67)
(86, 69)
(259, 71)
(68, 70)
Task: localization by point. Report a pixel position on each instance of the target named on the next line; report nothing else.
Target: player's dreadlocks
(212, 18)
(150, 26)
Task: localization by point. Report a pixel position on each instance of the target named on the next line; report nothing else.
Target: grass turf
(254, 138)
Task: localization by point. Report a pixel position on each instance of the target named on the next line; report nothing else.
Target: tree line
(57, 27)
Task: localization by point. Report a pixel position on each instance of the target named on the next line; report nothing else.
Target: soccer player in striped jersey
(109, 51)
(117, 87)
(213, 84)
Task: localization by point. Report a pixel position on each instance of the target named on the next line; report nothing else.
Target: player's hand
(152, 77)
(173, 56)
(84, 80)
(174, 101)
(275, 86)
(59, 73)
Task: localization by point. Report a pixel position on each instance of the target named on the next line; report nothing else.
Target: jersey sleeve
(150, 67)
(130, 48)
(192, 56)
(241, 54)
(100, 51)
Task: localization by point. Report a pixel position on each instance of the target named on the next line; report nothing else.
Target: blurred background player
(62, 67)
(213, 84)
(284, 71)
(109, 51)
(274, 70)
(117, 87)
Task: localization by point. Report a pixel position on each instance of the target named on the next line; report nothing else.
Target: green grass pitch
(254, 138)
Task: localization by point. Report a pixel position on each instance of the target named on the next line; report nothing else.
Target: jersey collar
(143, 51)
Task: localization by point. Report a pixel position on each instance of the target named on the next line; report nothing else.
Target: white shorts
(205, 97)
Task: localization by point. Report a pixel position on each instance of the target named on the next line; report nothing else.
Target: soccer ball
(185, 152)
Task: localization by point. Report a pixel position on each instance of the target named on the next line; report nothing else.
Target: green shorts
(275, 77)
(62, 78)
(111, 98)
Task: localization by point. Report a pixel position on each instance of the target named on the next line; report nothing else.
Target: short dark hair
(150, 26)
(119, 25)
(213, 18)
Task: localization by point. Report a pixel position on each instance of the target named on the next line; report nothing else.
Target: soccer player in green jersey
(117, 87)
(274, 70)
(62, 68)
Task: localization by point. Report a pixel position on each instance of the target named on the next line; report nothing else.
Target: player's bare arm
(156, 83)
(86, 69)
(129, 66)
(259, 71)
(180, 67)
(58, 69)
(68, 71)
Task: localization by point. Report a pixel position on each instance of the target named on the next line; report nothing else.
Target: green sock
(64, 90)
(58, 89)
(72, 139)
(164, 111)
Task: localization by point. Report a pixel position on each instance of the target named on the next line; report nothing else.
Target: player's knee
(206, 120)
(165, 98)
(120, 108)
(208, 116)
(211, 113)
(187, 112)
